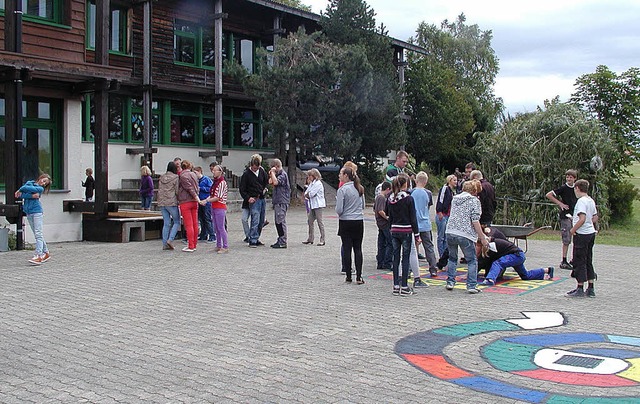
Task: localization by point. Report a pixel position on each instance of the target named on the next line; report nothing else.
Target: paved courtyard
(129, 323)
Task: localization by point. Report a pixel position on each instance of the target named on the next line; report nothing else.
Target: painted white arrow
(538, 319)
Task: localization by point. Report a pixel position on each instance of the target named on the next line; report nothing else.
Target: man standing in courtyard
(565, 197)
(279, 179)
(253, 185)
(487, 198)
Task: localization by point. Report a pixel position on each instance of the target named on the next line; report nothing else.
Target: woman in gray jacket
(168, 203)
(350, 207)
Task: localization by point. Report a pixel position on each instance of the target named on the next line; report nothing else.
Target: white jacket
(315, 194)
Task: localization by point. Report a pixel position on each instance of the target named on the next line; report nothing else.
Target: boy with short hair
(422, 200)
(567, 203)
(385, 246)
(585, 215)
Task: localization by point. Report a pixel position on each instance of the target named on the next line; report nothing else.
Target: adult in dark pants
(350, 210)
(565, 197)
(487, 198)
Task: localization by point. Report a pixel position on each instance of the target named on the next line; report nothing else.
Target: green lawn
(626, 234)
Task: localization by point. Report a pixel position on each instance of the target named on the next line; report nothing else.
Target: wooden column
(101, 100)
(217, 88)
(147, 85)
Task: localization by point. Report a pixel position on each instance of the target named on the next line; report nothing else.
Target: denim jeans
(468, 248)
(401, 241)
(441, 226)
(385, 249)
(145, 201)
(207, 231)
(171, 218)
(499, 266)
(257, 220)
(246, 216)
(36, 222)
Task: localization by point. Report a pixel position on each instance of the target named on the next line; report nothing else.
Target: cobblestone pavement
(131, 323)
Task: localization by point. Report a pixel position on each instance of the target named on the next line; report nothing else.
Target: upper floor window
(244, 52)
(41, 9)
(119, 35)
(193, 43)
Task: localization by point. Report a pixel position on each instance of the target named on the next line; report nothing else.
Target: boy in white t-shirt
(585, 215)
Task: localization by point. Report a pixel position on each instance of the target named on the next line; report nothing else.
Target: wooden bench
(120, 229)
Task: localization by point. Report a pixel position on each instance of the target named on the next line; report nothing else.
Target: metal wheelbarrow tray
(519, 232)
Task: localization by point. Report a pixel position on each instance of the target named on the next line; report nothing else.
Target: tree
(614, 100)
(295, 4)
(379, 126)
(467, 51)
(307, 91)
(528, 155)
(441, 117)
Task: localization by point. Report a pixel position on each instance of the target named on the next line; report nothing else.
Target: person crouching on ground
(506, 255)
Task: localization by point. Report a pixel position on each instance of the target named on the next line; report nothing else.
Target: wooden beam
(78, 205)
(141, 150)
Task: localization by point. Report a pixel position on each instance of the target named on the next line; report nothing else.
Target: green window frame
(244, 128)
(41, 10)
(193, 44)
(119, 36)
(243, 51)
(42, 140)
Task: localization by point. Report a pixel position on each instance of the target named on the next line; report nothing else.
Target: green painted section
(468, 329)
(509, 357)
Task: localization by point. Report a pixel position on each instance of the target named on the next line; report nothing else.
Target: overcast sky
(543, 46)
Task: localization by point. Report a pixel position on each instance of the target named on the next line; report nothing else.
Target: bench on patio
(122, 227)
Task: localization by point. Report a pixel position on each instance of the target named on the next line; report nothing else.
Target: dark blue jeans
(401, 241)
(206, 224)
(385, 249)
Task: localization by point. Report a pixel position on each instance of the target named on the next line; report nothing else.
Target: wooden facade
(55, 64)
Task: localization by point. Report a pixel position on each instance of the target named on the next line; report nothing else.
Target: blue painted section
(494, 387)
(609, 353)
(621, 339)
(557, 339)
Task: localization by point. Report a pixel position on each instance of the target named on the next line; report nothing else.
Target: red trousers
(189, 211)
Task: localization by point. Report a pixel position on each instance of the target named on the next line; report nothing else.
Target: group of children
(402, 211)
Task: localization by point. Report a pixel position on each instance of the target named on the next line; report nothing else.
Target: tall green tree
(614, 100)
(379, 127)
(307, 89)
(467, 51)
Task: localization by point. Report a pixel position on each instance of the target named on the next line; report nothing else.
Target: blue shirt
(204, 185)
(31, 205)
(422, 200)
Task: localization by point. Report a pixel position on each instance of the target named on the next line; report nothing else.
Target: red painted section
(578, 379)
(437, 366)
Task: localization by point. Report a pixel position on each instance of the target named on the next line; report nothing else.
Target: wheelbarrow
(519, 232)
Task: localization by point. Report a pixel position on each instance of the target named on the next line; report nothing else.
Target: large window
(244, 52)
(41, 140)
(193, 43)
(175, 122)
(119, 28)
(50, 10)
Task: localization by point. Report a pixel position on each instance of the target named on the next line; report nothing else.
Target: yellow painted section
(633, 372)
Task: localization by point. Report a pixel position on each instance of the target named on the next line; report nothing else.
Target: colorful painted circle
(609, 363)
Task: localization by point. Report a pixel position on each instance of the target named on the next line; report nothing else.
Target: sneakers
(278, 245)
(307, 242)
(433, 272)
(406, 291)
(359, 281)
(396, 290)
(550, 272)
(487, 282)
(565, 265)
(259, 243)
(417, 283)
(590, 292)
(348, 280)
(577, 292)
(36, 260)
(166, 247)
(253, 245)
(450, 285)
(421, 257)
(473, 291)
(46, 257)
(223, 251)
(211, 240)
(170, 245)
(187, 249)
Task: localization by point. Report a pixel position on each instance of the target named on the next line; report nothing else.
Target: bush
(622, 193)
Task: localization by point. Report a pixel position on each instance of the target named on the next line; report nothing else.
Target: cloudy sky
(543, 46)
